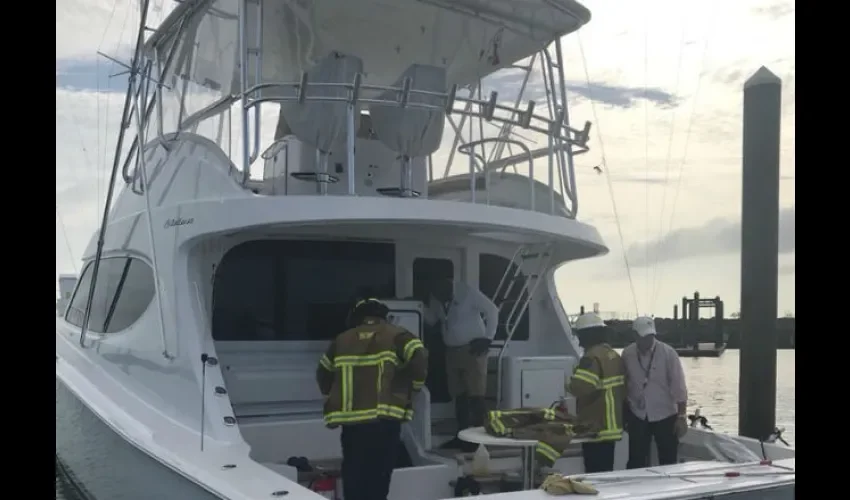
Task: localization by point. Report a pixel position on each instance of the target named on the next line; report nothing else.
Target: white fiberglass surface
(688, 481)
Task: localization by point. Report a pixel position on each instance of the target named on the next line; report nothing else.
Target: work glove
(558, 485)
(479, 347)
(681, 426)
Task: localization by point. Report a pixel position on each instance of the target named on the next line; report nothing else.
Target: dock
(702, 350)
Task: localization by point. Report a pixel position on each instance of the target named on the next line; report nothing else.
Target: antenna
(206, 359)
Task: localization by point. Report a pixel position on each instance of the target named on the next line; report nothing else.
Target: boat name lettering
(179, 221)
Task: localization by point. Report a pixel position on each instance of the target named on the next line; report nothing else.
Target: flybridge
(211, 58)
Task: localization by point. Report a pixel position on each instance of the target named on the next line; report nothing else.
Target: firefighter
(369, 376)
(598, 385)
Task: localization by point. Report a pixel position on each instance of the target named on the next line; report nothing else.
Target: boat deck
(688, 480)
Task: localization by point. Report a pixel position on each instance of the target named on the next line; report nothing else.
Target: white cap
(644, 325)
(588, 320)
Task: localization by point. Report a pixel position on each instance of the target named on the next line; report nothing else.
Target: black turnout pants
(641, 433)
(598, 457)
(368, 457)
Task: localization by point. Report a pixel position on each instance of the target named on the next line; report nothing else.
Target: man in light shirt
(657, 396)
(470, 323)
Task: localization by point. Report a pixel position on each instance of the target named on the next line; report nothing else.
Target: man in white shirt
(657, 396)
(470, 322)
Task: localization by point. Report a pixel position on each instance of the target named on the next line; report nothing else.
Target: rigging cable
(67, 241)
(684, 157)
(97, 110)
(667, 169)
(607, 173)
(104, 161)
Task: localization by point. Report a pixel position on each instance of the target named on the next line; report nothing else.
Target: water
(712, 386)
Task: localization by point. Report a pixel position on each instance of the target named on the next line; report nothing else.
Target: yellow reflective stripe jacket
(370, 372)
(411, 348)
(598, 385)
(551, 429)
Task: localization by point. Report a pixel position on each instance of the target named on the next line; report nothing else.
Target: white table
(478, 435)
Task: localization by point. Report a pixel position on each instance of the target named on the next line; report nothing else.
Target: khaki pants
(465, 373)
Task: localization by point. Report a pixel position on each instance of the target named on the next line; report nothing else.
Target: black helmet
(368, 308)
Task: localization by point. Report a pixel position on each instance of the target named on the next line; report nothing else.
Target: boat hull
(105, 465)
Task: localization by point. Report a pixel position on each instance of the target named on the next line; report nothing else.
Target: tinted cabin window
(296, 290)
(491, 268)
(124, 290)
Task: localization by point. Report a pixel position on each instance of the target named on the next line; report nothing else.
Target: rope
(667, 169)
(97, 150)
(67, 242)
(102, 167)
(606, 172)
(684, 160)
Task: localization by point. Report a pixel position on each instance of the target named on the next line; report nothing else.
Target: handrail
(274, 148)
(503, 163)
(449, 103)
(544, 255)
(561, 137)
(469, 149)
(487, 109)
(154, 103)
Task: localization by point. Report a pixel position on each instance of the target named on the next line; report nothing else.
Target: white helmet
(588, 320)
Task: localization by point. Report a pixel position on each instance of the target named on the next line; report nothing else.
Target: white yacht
(277, 160)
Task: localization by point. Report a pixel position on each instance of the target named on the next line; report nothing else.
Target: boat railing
(562, 139)
(145, 97)
(482, 170)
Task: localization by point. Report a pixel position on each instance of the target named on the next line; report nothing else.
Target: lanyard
(648, 366)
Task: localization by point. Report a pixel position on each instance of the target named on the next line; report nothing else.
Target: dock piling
(759, 254)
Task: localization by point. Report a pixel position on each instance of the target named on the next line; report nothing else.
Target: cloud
(619, 96)
(775, 10)
(95, 75)
(85, 26)
(623, 97)
(736, 74)
(717, 236)
(102, 75)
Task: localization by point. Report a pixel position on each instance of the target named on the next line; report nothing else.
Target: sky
(666, 78)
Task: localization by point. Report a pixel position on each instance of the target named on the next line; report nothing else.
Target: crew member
(598, 387)
(369, 376)
(657, 396)
(471, 320)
